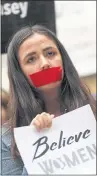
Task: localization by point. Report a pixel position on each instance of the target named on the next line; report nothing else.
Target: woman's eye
(50, 53)
(30, 60)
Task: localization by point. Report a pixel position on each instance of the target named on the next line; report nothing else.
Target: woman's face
(37, 53)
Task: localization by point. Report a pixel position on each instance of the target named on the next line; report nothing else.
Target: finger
(49, 124)
(36, 123)
(48, 121)
(43, 119)
(40, 118)
(52, 116)
(47, 114)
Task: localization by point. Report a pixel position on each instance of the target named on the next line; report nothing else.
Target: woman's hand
(43, 120)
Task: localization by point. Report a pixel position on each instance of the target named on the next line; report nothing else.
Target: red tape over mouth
(46, 76)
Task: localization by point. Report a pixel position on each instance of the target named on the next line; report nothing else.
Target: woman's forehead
(38, 40)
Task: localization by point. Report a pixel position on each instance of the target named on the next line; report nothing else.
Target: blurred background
(74, 22)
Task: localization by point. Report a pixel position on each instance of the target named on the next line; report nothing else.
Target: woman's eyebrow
(48, 48)
(29, 54)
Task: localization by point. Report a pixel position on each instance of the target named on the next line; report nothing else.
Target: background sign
(18, 13)
(69, 146)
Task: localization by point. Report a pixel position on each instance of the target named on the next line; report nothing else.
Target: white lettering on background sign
(15, 8)
(69, 146)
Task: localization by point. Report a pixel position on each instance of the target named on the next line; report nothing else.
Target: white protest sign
(68, 147)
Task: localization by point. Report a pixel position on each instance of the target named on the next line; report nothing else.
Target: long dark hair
(25, 100)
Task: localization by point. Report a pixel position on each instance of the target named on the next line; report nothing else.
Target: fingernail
(52, 115)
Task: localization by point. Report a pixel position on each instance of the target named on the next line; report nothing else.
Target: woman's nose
(44, 63)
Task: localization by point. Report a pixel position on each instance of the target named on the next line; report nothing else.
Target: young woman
(43, 81)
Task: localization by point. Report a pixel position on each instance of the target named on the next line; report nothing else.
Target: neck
(52, 101)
